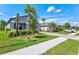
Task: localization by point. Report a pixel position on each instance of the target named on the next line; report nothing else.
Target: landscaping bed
(8, 44)
(69, 47)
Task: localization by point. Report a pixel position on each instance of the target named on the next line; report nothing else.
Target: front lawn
(60, 32)
(69, 47)
(8, 44)
(77, 34)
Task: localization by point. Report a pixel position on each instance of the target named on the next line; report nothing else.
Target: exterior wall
(45, 28)
(8, 26)
(22, 20)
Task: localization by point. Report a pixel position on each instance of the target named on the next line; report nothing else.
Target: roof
(14, 18)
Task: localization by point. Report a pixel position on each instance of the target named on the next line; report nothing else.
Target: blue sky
(58, 13)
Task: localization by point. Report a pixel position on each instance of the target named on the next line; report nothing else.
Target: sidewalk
(38, 48)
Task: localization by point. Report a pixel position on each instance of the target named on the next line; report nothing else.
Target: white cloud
(50, 8)
(58, 10)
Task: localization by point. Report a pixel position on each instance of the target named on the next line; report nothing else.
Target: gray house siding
(23, 23)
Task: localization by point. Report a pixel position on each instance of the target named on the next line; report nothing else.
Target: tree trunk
(17, 24)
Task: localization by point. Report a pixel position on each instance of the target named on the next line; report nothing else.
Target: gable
(21, 19)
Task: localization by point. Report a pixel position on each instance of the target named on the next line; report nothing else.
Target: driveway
(70, 36)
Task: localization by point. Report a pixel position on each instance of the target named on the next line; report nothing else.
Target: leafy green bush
(23, 32)
(13, 33)
(8, 29)
(10, 33)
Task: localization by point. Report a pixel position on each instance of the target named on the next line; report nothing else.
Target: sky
(59, 13)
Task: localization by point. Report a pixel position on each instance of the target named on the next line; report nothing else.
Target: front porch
(22, 26)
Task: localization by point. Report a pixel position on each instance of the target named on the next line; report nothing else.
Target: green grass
(60, 32)
(69, 47)
(8, 44)
(77, 34)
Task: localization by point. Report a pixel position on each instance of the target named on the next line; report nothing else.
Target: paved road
(38, 48)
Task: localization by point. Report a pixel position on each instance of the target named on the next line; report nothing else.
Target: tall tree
(32, 18)
(2, 25)
(53, 25)
(43, 20)
(67, 25)
(17, 24)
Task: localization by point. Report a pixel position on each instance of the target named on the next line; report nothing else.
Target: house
(23, 23)
(45, 27)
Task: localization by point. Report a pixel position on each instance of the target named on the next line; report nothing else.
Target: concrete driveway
(70, 36)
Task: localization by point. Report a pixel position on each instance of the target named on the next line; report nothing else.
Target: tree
(32, 18)
(17, 24)
(53, 25)
(43, 20)
(2, 25)
(67, 25)
(59, 28)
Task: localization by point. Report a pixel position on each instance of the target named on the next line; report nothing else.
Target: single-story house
(45, 27)
(23, 23)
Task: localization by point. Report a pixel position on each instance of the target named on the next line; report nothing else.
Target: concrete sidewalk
(38, 48)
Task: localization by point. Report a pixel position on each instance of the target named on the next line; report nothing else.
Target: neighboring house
(45, 27)
(23, 23)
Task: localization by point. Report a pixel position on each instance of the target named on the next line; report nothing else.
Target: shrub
(13, 33)
(10, 33)
(7, 29)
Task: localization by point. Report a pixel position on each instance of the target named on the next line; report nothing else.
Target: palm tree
(17, 24)
(43, 23)
(32, 18)
(53, 26)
